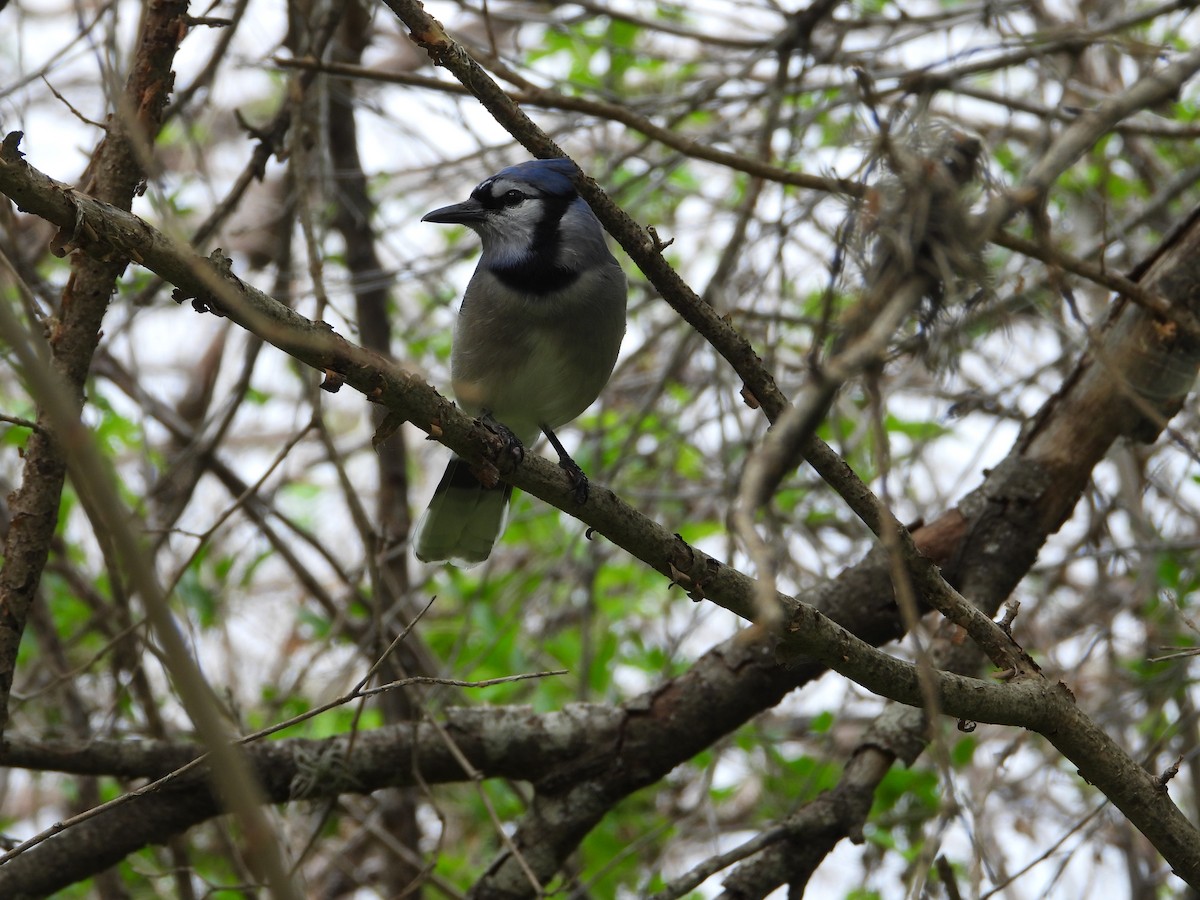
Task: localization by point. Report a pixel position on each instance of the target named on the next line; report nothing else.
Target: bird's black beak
(466, 213)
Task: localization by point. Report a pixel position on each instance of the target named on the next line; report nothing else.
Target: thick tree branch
(582, 759)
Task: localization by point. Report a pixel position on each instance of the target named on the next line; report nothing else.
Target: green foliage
(302, 500)
(460, 865)
(620, 39)
(1007, 160)
(839, 428)
(800, 779)
(116, 433)
(660, 204)
(603, 56)
(183, 132)
(148, 874)
(1186, 111)
(196, 591)
(462, 858)
(582, 45)
(279, 707)
(1178, 578)
(343, 719)
(906, 793)
(918, 431)
(590, 636)
(86, 890)
(616, 853)
(256, 396)
(17, 436)
(962, 752)
(317, 625)
(1101, 174)
(822, 722)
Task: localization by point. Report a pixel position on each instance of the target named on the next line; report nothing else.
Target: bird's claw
(579, 481)
(509, 447)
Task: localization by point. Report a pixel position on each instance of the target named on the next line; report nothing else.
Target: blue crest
(550, 175)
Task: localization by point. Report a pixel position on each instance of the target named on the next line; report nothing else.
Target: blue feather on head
(554, 176)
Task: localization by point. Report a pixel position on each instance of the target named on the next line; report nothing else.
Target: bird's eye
(512, 198)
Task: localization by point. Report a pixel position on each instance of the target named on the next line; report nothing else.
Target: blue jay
(535, 341)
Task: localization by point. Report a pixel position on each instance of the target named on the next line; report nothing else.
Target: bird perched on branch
(535, 341)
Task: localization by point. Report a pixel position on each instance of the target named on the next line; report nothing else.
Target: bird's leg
(574, 473)
(510, 445)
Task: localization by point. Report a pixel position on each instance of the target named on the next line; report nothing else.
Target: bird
(534, 343)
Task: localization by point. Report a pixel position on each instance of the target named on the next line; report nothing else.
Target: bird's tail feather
(463, 520)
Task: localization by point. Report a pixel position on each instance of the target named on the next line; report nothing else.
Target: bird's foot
(507, 451)
(579, 481)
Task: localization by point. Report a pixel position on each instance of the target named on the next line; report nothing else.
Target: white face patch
(508, 232)
(514, 211)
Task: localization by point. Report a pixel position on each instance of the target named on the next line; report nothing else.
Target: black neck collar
(539, 271)
(535, 276)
